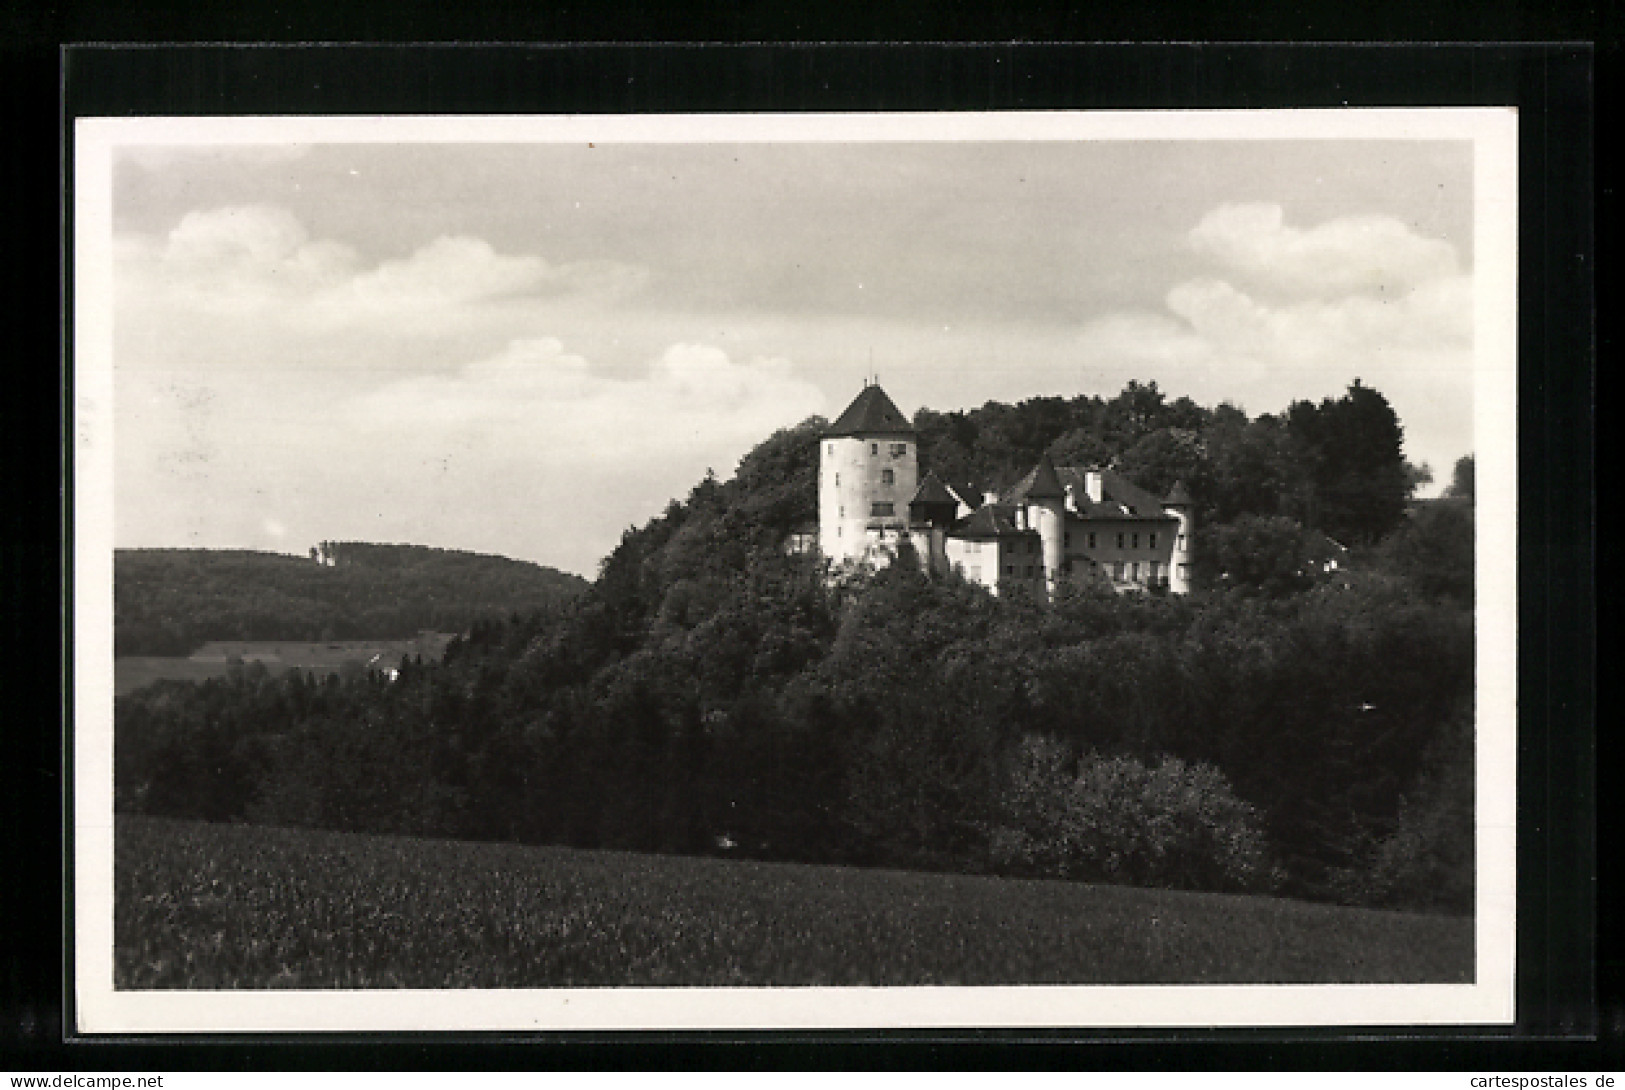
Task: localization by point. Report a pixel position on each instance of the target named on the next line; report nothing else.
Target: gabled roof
(1120, 497)
(991, 520)
(932, 490)
(871, 413)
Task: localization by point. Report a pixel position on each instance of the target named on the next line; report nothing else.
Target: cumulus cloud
(1370, 254)
(1308, 310)
(261, 259)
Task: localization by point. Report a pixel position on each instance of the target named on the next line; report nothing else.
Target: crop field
(218, 658)
(202, 906)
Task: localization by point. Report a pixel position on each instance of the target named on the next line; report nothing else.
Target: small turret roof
(1041, 484)
(932, 490)
(1177, 495)
(871, 413)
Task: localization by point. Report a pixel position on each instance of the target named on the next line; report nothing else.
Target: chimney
(1092, 483)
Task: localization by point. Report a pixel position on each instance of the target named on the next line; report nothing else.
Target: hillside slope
(169, 601)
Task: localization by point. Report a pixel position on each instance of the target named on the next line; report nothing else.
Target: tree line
(170, 601)
(710, 694)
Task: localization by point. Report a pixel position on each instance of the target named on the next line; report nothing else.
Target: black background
(1571, 1015)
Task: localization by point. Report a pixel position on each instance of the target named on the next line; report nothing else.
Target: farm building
(1055, 524)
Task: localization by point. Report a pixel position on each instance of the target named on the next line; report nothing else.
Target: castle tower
(867, 473)
(1179, 505)
(1046, 513)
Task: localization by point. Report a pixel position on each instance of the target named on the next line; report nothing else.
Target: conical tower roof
(871, 413)
(1041, 484)
(1178, 496)
(932, 490)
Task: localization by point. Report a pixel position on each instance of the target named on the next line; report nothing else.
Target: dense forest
(1288, 728)
(169, 601)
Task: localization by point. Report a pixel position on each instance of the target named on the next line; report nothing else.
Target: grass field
(201, 906)
(218, 658)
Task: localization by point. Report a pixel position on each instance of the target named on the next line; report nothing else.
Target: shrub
(1115, 819)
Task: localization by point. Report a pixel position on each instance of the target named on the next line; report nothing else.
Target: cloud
(260, 259)
(1373, 254)
(537, 402)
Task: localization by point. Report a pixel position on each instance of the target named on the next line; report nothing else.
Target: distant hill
(170, 601)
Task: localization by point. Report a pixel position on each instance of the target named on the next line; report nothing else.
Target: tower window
(880, 509)
(1181, 541)
(1153, 541)
(1119, 541)
(887, 477)
(874, 448)
(837, 480)
(898, 450)
(843, 511)
(1091, 539)
(829, 447)
(1136, 541)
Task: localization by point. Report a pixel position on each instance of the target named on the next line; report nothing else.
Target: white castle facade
(1077, 524)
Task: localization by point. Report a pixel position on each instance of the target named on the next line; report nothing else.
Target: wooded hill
(169, 601)
(1281, 729)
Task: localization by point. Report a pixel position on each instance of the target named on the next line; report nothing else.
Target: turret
(1179, 505)
(1043, 500)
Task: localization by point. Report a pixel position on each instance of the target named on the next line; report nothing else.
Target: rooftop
(871, 413)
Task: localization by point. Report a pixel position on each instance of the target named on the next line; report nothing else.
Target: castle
(1055, 524)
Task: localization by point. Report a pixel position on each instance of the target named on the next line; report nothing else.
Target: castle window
(843, 511)
(1136, 543)
(874, 448)
(887, 477)
(1010, 569)
(898, 450)
(1184, 571)
(1119, 541)
(1066, 540)
(1029, 571)
(1091, 539)
(837, 480)
(1153, 541)
(830, 447)
(1134, 572)
(1181, 541)
(880, 509)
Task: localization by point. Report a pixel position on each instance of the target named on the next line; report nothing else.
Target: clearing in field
(216, 906)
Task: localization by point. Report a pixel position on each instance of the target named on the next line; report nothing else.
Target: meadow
(236, 906)
(132, 673)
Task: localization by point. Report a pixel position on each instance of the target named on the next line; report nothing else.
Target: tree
(1272, 555)
(1461, 481)
(1435, 548)
(1354, 450)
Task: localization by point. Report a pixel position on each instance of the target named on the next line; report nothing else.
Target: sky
(526, 348)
